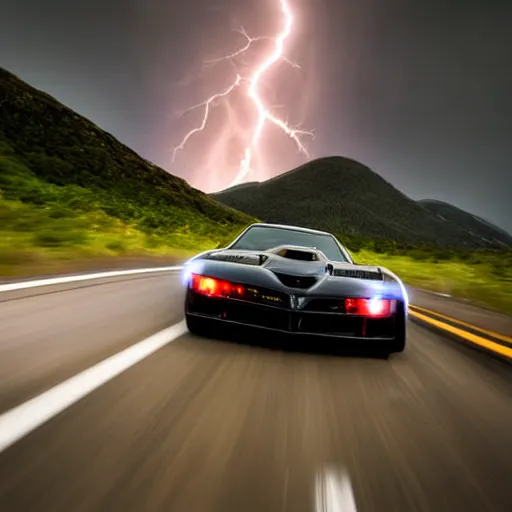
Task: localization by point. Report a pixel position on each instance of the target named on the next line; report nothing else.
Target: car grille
(259, 315)
(326, 305)
(345, 326)
(241, 312)
(330, 324)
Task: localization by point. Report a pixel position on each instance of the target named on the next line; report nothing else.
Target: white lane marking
(333, 492)
(434, 293)
(20, 285)
(20, 421)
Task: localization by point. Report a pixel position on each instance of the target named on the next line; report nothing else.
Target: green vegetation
(68, 190)
(42, 224)
(483, 277)
(344, 196)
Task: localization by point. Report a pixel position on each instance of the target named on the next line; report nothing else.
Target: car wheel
(398, 344)
(198, 326)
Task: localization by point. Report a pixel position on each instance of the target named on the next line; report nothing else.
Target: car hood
(269, 269)
(273, 260)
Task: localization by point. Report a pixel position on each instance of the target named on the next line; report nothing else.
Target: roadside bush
(420, 255)
(54, 237)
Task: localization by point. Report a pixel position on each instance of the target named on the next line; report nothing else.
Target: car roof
(291, 228)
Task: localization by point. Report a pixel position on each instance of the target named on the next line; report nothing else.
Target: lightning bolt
(207, 106)
(244, 48)
(264, 113)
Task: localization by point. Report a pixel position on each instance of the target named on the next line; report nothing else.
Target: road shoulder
(481, 328)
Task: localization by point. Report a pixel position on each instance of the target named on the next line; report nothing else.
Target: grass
(48, 238)
(36, 240)
(46, 227)
(483, 278)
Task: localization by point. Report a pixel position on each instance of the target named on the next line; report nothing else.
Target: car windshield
(261, 238)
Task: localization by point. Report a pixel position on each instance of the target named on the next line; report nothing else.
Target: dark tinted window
(261, 238)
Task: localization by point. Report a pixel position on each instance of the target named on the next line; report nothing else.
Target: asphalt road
(203, 425)
(463, 310)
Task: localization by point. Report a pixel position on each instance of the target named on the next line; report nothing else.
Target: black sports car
(297, 281)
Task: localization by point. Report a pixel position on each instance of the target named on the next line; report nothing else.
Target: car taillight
(214, 287)
(374, 308)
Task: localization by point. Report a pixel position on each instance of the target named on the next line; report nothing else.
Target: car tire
(197, 326)
(399, 342)
(397, 345)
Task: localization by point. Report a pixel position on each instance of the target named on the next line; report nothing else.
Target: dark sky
(419, 90)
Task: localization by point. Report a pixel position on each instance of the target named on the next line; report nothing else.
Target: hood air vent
(244, 259)
(358, 274)
(303, 282)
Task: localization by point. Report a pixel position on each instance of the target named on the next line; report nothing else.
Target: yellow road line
(473, 338)
(496, 335)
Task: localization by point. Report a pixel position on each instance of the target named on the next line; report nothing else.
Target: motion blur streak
(247, 424)
(333, 492)
(263, 112)
(18, 422)
(21, 285)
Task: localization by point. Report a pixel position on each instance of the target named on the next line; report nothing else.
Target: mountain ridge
(345, 196)
(458, 215)
(55, 145)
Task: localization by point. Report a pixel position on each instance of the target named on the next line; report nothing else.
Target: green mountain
(66, 180)
(343, 196)
(69, 190)
(471, 223)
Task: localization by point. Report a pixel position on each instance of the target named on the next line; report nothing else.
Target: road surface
(202, 425)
